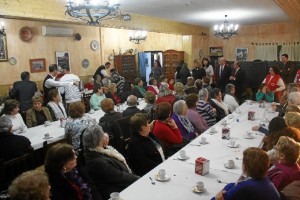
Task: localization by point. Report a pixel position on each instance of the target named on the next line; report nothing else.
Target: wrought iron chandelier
(226, 30)
(93, 11)
(137, 37)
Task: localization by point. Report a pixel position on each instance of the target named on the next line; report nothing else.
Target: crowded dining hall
(149, 99)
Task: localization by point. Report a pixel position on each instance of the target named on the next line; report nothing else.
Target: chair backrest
(86, 101)
(9, 170)
(47, 146)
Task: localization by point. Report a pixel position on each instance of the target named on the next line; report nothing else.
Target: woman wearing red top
(274, 82)
(166, 129)
(165, 95)
(153, 86)
(112, 93)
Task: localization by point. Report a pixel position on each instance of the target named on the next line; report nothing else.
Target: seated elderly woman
(179, 91)
(67, 182)
(285, 169)
(165, 95)
(190, 86)
(145, 151)
(165, 128)
(30, 185)
(77, 123)
(257, 186)
(105, 165)
(205, 109)
(193, 115)
(153, 86)
(38, 114)
(184, 125)
(264, 94)
(150, 106)
(55, 105)
(97, 97)
(90, 84)
(138, 90)
(11, 110)
(293, 119)
(112, 94)
(230, 99)
(216, 102)
(107, 105)
(132, 106)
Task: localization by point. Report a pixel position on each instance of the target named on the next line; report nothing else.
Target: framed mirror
(3, 47)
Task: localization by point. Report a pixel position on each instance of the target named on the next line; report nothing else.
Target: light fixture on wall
(93, 11)
(226, 30)
(2, 30)
(137, 37)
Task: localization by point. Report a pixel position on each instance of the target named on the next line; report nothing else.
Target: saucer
(203, 143)
(157, 177)
(235, 145)
(226, 165)
(47, 124)
(195, 189)
(47, 138)
(183, 158)
(248, 136)
(224, 123)
(230, 116)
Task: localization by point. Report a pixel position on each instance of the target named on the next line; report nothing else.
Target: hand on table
(220, 195)
(255, 128)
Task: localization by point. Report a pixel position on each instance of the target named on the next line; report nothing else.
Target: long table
(36, 134)
(182, 173)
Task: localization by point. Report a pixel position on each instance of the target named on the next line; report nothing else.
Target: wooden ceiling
(291, 8)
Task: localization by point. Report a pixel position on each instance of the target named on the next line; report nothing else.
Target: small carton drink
(226, 133)
(201, 166)
(251, 115)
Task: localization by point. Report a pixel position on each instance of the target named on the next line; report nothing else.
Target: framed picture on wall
(241, 54)
(37, 65)
(216, 51)
(62, 58)
(3, 48)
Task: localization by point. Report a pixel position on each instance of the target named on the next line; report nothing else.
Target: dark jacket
(108, 173)
(31, 119)
(13, 146)
(109, 95)
(198, 73)
(110, 117)
(220, 112)
(23, 91)
(137, 93)
(223, 80)
(239, 83)
(130, 111)
(143, 155)
(191, 90)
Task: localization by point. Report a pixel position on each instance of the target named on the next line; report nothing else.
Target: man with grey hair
(11, 145)
(223, 73)
(293, 99)
(238, 78)
(132, 106)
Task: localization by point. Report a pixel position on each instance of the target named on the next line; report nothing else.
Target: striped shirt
(72, 93)
(206, 110)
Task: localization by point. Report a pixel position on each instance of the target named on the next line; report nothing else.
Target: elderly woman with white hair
(230, 99)
(165, 95)
(205, 109)
(185, 126)
(105, 165)
(218, 104)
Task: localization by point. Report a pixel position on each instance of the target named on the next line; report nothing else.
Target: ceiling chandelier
(226, 30)
(137, 36)
(93, 11)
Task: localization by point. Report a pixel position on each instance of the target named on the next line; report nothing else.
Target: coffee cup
(238, 111)
(182, 153)
(230, 163)
(23, 129)
(200, 185)
(162, 174)
(203, 140)
(115, 196)
(230, 116)
(63, 122)
(92, 111)
(47, 123)
(224, 122)
(232, 143)
(249, 134)
(47, 135)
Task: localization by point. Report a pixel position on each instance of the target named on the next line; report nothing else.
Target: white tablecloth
(36, 134)
(182, 173)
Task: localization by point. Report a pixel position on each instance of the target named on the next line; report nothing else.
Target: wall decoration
(26, 34)
(37, 65)
(3, 48)
(85, 63)
(12, 60)
(216, 51)
(62, 58)
(94, 45)
(241, 54)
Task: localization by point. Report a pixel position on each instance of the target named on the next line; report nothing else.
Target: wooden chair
(47, 146)
(122, 133)
(86, 101)
(9, 170)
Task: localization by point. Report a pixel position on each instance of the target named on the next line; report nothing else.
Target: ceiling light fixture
(226, 30)
(93, 11)
(137, 36)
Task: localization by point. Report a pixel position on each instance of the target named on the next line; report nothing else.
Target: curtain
(292, 49)
(266, 51)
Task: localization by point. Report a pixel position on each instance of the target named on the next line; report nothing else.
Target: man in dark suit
(11, 145)
(287, 71)
(23, 91)
(238, 78)
(222, 74)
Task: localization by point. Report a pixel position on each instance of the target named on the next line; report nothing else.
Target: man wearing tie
(238, 78)
(222, 75)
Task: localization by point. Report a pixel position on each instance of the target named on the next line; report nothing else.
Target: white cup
(224, 122)
(47, 123)
(238, 111)
(200, 185)
(115, 196)
(46, 135)
(230, 163)
(92, 111)
(213, 129)
(232, 143)
(182, 153)
(162, 174)
(203, 140)
(249, 134)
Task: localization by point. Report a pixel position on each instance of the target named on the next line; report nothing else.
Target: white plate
(235, 145)
(226, 165)
(195, 189)
(157, 177)
(212, 132)
(183, 158)
(203, 143)
(249, 137)
(47, 138)
(230, 116)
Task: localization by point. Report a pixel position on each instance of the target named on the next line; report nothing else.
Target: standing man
(222, 75)
(72, 93)
(287, 70)
(50, 82)
(102, 71)
(238, 78)
(23, 91)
